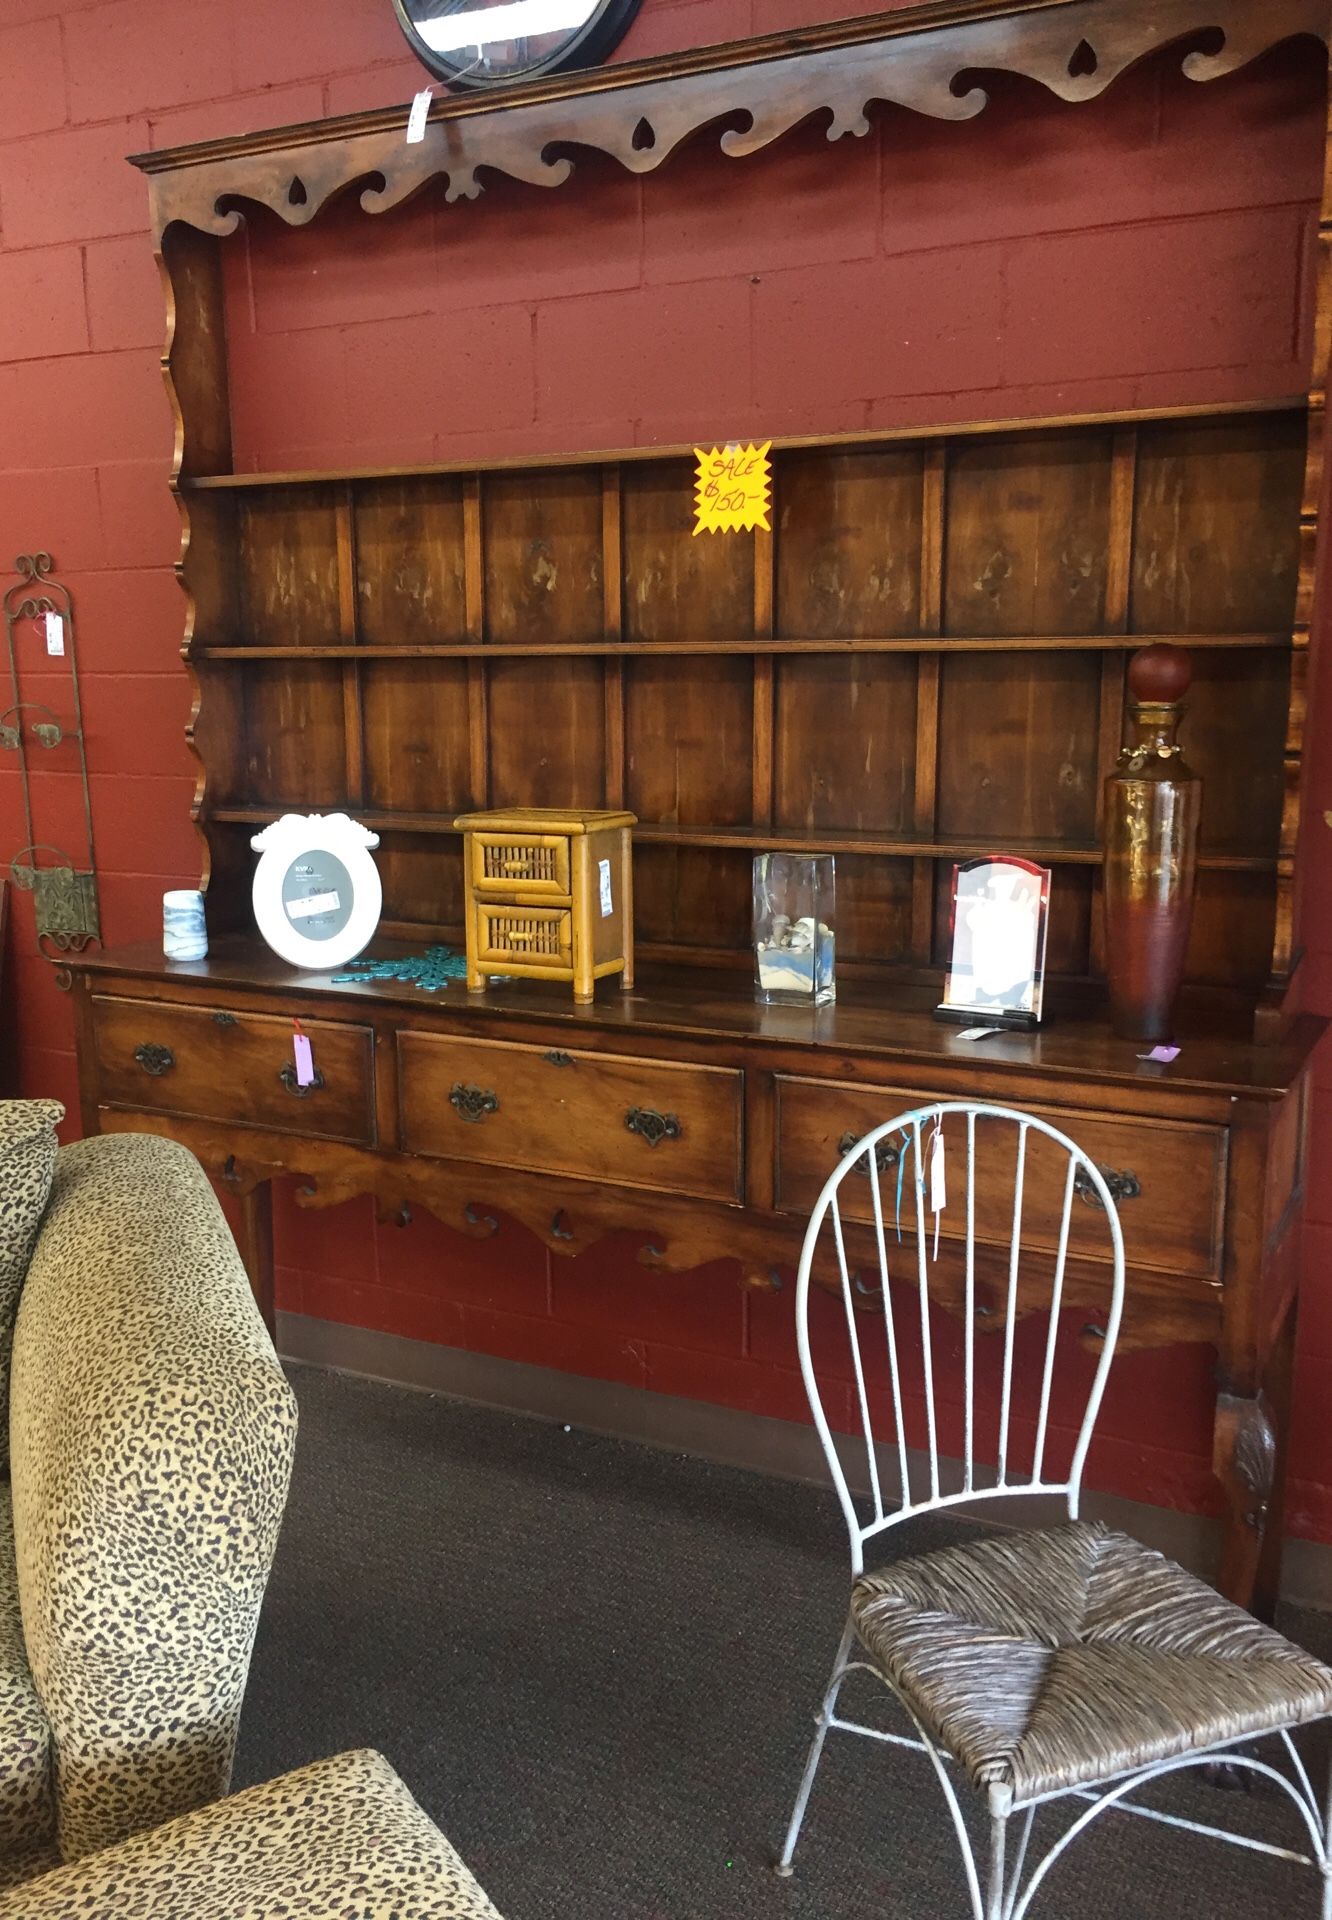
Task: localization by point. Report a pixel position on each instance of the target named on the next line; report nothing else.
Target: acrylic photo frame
(997, 929)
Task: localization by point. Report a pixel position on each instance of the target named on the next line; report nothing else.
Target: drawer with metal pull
(1167, 1179)
(635, 1123)
(220, 1064)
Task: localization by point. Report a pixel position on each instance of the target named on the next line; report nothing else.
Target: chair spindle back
(914, 1150)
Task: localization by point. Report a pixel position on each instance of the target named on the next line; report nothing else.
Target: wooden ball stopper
(1160, 674)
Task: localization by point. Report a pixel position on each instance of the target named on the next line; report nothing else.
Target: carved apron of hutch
(924, 659)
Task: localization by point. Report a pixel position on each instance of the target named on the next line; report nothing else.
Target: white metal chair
(1069, 1662)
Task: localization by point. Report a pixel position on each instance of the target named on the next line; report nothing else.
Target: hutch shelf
(924, 659)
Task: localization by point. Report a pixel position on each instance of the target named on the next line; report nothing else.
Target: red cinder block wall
(1151, 248)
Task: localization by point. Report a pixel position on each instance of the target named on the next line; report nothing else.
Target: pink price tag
(300, 1047)
(1164, 1054)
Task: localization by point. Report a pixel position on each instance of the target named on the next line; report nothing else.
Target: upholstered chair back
(151, 1441)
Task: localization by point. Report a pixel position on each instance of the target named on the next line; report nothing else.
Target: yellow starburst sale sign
(733, 489)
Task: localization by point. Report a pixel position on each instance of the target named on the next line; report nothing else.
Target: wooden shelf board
(779, 839)
(794, 443)
(800, 644)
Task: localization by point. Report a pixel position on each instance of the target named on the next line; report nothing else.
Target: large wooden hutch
(924, 659)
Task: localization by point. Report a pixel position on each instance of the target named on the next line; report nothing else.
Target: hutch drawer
(636, 1123)
(1169, 1179)
(535, 865)
(536, 936)
(234, 1066)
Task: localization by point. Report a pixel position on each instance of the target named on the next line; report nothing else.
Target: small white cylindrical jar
(184, 933)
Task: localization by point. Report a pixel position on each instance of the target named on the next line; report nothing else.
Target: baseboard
(755, 1441)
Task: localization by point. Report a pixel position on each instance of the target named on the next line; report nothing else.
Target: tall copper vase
(1153, 804)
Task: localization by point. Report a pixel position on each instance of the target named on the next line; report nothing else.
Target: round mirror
(490, 43)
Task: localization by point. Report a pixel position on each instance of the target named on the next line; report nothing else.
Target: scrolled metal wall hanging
(64, 891)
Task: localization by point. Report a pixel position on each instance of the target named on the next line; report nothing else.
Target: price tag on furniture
(732, 489)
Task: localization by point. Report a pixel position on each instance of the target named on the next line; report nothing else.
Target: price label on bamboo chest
(732, 489)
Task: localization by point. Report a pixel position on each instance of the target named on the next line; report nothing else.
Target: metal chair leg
(783, 1866)
(996, 1898)
(1018, 1860)
(1326, 1862)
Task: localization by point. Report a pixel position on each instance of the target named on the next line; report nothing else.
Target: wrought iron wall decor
(64, 891)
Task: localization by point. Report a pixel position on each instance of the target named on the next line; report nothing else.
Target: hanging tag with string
(302, 1055)
(416, 119)
(901, 1169)
(938, 1181)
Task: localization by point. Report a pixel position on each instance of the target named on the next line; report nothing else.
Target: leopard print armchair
(151, 1439)
(337, 1839)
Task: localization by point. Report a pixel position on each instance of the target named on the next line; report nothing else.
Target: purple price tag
(300, 1047)
(1161, 1053)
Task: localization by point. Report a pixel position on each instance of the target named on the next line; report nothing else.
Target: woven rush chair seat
(1062, 1658)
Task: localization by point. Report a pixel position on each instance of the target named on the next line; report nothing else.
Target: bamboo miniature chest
(549, 896)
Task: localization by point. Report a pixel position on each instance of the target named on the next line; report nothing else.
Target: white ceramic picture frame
(317, 892)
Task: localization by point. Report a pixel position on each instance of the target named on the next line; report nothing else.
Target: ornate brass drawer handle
(1123, 1186)
(886, 1155)
(154, 1059)
(557, 1059)
(473, 1103)
(652, 1126)
(287, 1075)
(224, 1020)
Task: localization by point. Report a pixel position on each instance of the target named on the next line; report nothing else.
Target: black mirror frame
(589, 45)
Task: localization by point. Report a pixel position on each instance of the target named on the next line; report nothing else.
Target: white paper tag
(607, 905)
(416, 119)
(938, 1188)
(55, 632)
(938, 1181)
(313, 903)
(301, 1054)
(978, 1033)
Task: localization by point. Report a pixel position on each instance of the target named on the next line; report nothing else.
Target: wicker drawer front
(532, 866)
(638, 1123)
(1170, 1179)
(538, 936)
(220, 1065)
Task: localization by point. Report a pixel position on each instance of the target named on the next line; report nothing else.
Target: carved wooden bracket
(926, 58)
(1244, 1455)
(1244, 1459)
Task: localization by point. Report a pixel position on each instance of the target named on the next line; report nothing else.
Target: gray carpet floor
(595, 1666)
